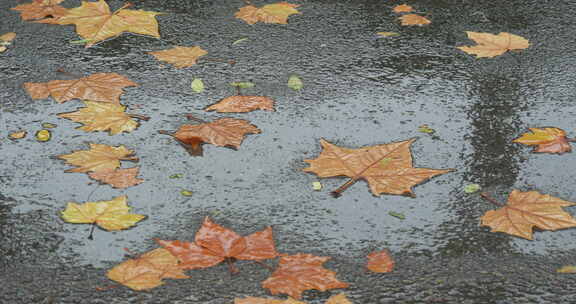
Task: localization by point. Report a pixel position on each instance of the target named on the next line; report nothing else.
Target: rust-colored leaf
(413, 19)
(380, 261)
(103, 87)
(214, 244)
(241, 104)
(102, 116)
(335, 299)
(224, 132)
(489, 45)
(118, 178)
(98, 158)
(546, 140)
(300, 272)
(44, 11)
(387, 168)
(270, 13)
(94, 21)
(179, 56)
(403, 8)
(525, 210)
(147, 270)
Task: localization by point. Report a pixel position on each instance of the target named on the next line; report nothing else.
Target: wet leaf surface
(489, 45)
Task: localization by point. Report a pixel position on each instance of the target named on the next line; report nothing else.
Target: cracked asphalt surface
(359, 90)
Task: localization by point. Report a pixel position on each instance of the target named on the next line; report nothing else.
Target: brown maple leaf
(270, 13)
(489, 45)
(387, 168)
(117, 178)
(241, 104)
(103, 87)
(98, 158)
(214, 244)
(300, 272)
(525, 210)
(94, 21)
(413, 19)
(224, 132)
(335, 299)
(43, 11)
(546, 140)
(179, 56)
(380, 261)
(403, 8)
(147, 270)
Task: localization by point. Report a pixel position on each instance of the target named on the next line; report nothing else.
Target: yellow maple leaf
(110, 215)
(270, 13)
(102, 116)
(179, 56)
(98, 158)
(94, 21)
(489, 45)
(147, 270)
(413, 19)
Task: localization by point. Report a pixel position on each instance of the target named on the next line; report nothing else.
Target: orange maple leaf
(117, 178)
(403, 8)
(214, 244)
(413, 19)
(489, 45)
(241, 104)
(387, 168)
(104, 87)
(380, 261)
(179, 56)
(525, 210)
(335, 299)
(39, 10)
(300, 272)
(147, 270)
(546, 140)
(270, 13)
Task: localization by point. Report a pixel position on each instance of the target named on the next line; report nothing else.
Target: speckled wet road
(359, 90)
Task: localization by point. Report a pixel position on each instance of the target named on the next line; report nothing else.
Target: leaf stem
(485, 196)
(138, 116)
(165, 133)
(130, 159)
(190, 117)
(91, 236)
(338, 192)
(231, 267)
(264, 265)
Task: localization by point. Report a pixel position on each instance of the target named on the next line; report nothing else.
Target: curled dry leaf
(94, 21)
(241, 104)
(44, 11)
(489, 45)
(214, 244)
(225, 132)
(270, 13)
(110, 215)
(380, 261)
(546, 140)
(103, 87)
(98, 158)
(118, 178)
(525, 210)
(413, 19)
(300, 272)
(403, 8)
(17, 135)
(102, 116)
(387, 168)
(147, 270)
(179, 56)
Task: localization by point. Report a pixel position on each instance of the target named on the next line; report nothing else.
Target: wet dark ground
(359, 90)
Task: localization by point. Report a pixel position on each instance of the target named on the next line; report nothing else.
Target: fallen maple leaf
(110, 215)
(525, 210)
(224, 132)
(300, 272)
(214, 244)
(104, 87)
(94, 21)
(546, 140)
(270, 13)
(489, 45)
(413, 19)
(118, 178)
(241, 104)
(336, 299)
(179, 56)
(5, 40)
(39, 10)
(147, 270)
(387, 168)
(380, 261)
(102, 116)
(403, 8)
(98, 158)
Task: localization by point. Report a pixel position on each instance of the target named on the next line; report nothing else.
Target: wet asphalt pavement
(359, 90)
